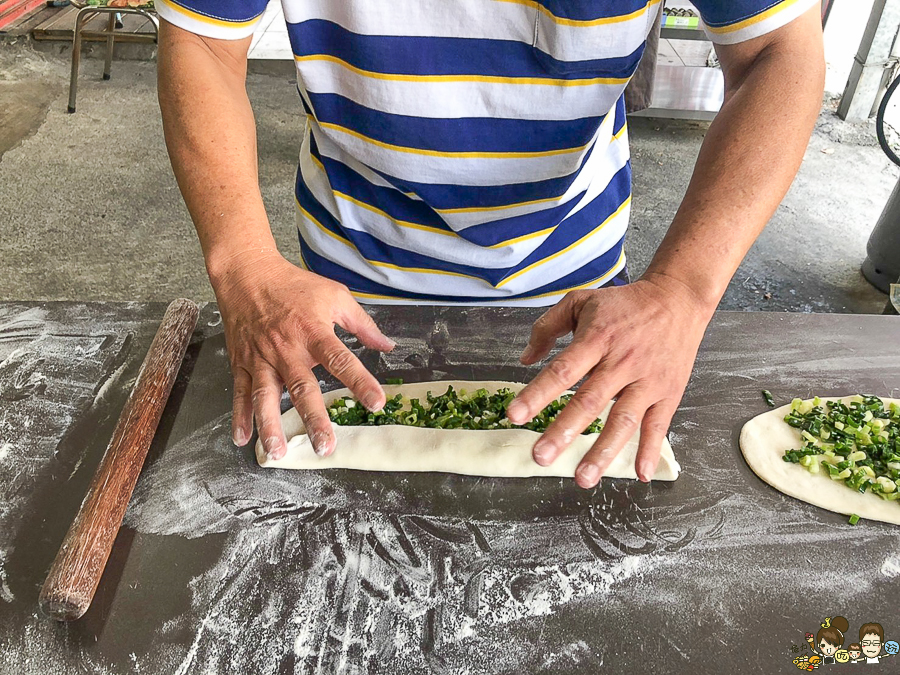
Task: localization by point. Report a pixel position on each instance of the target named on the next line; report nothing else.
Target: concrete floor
(89, 209)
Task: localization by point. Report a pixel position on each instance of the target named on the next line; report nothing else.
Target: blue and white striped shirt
(467, 151)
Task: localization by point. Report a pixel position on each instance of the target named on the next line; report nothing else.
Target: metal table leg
(110, 42)
(83, 15)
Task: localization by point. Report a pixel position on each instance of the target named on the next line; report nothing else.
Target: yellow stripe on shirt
(203, 18)
(453, 155)
(533, 202)
(586, 23)
(502, 207)
(401, 223)
(493, 79)
(603, 278)
(569, 247)
(376, 263)
(377, 211)
(435, 230)
(762, 16)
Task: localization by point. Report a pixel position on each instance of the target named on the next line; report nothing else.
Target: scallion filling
(450, 410)
(856, 443)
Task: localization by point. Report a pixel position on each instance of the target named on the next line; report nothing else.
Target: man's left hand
(636, 343)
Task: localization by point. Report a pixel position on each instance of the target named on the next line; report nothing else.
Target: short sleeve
(224, 19)
(728, 23)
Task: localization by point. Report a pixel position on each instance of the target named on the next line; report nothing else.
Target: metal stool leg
(110, 41)
(83, 15)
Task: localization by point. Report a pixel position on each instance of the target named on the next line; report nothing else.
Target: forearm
(746, 164)
(211, 137)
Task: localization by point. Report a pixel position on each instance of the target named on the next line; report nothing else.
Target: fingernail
(272, 446)
(646, 471)
(373, 402)
(239, 438)
(544, 452)
(527, 354)
(589, 473)
(516, 412)
(391, 343)
(320, 444)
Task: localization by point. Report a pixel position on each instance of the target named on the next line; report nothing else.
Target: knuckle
(628, 419)
(560, 370)
(656, 427)
(315, 421)
(301, 389)
(338, 361)
(630, 358)
(318, 334)
(342, 290)
(590, 401)
(258, 397)
(578, 297)
(541, 322)
(278, 340)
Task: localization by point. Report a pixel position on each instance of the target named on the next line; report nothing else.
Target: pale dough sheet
(498, 452)
(766, 438)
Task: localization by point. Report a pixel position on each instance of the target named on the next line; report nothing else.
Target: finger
(334, 356)
(303, 388)
(242, 407)
(557, 321)
(569, 366)
(267, 410)
(355, 319)
(653, 431)
(623, 421)
(581, 410)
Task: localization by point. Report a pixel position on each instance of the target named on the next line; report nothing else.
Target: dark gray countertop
(223, 567)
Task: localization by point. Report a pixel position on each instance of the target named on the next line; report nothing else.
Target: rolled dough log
(766, 438)
(496, 452)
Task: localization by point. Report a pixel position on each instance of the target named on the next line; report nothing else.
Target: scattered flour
(5, 593)
(891, 567)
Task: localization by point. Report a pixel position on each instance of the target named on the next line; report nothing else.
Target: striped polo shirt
(466, 151)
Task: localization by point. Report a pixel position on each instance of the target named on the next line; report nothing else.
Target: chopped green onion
(863, 448)
(450, 410)
(854, 519)
(767, 395)
(393, 380)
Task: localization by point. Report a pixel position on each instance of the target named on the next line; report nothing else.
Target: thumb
(557, 321)
(355, 319)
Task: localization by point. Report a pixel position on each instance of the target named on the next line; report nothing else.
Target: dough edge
(460, 451)
(765, 439)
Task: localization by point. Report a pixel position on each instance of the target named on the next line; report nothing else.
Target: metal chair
(87, 12)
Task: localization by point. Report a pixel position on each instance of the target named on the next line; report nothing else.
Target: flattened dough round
(496, 452)
(766, 438)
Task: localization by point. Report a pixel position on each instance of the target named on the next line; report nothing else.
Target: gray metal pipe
(882, 266)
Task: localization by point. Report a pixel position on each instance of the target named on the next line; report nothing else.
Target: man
(475, 151)
(871, 637)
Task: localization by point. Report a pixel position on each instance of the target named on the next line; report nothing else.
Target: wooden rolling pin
(76, 571)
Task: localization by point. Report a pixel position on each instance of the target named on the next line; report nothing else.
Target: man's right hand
(279, 319)
(279, 324)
